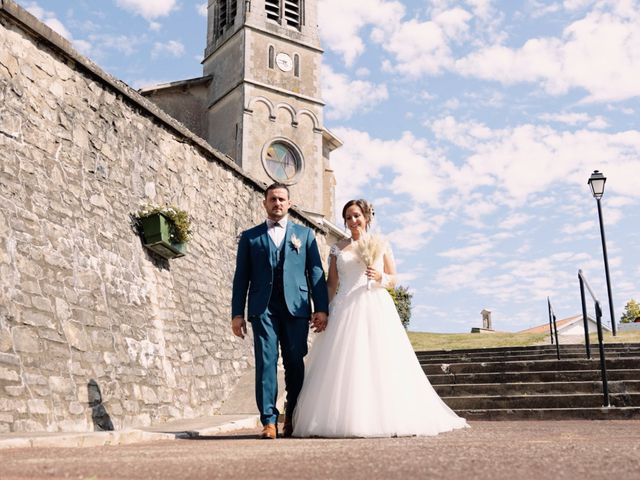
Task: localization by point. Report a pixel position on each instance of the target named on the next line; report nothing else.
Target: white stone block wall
(83, 305)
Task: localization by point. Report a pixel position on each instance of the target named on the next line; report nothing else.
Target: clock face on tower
(284, 62)
(282, 161)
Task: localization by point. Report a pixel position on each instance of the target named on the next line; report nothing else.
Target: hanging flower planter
(165, 230)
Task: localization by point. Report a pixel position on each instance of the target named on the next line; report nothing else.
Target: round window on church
(282, 161)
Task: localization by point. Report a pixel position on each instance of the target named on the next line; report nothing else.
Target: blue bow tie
(273, 223)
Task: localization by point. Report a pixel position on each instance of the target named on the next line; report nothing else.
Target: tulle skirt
(363, 379)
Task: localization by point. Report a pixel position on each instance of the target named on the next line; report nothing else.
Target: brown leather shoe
(269, 432)
(287, 429)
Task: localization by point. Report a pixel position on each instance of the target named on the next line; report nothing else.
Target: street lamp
(596, 182)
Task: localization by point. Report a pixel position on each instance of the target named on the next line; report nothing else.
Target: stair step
(582, 400)
(527, 357)
(532, 348)
(542, 376)
(595, 413)
(535, 388)
(529, 366)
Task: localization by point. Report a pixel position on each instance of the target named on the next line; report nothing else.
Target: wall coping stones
(30, 23)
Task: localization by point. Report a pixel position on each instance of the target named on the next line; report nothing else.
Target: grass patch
(622, 337)
(457, 341)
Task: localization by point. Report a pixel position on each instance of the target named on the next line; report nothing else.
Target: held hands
(318, 321)
(239, 326)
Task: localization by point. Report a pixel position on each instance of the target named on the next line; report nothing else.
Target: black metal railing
(553, 327)
(603, 364)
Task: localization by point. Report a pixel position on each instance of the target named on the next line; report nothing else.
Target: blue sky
(473, 126)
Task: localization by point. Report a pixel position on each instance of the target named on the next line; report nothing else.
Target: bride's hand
(373, 274)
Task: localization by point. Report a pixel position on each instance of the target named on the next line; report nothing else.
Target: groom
(278, 264)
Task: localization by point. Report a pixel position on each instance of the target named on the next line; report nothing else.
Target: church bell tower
(264, 108)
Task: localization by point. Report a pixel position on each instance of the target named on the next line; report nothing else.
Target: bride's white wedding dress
(362, 377)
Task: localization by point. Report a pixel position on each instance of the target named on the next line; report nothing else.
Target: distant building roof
(562, 324)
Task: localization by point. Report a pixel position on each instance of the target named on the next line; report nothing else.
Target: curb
(119, 437)
(249, 422)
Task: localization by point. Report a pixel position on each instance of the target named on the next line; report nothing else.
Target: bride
(362, 377)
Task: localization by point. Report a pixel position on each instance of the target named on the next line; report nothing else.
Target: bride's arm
(332, 279)
(388, 279)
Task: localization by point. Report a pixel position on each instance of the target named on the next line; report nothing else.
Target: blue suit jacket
(302, 273)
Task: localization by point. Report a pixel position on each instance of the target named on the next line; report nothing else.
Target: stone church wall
(93, 327)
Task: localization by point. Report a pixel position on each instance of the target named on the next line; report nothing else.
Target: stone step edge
(548, 414)
(117, 437)
(538, 395)
(576, 361)
(528, 348)
(545, 356)
(536, 372)
(532, 353)
(550, 384)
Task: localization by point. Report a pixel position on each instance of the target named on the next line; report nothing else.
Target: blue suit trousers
(277, 327)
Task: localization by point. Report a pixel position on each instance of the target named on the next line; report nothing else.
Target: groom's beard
(277, 214)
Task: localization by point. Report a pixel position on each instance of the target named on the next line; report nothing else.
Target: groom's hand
(239, 326)
(319, 321)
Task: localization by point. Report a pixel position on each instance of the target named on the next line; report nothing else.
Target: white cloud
(125, 44)
(341, 33)
(49, 19)
(465, 253)
(515, 220)
(347, 97)
(415, 230)
(148, 9)
(155, 26)
(418, 47)
(525, 159)
(540, 9)
(576, 4)
(408, 165)
(172, 47)
(202, 9)
(83, 46)
(597, 53)
(582, 227)
(575, 118)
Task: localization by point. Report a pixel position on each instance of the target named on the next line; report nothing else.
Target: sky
(471, 125)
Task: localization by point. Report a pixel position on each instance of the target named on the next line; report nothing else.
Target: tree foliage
(631, 312)
(402, 298)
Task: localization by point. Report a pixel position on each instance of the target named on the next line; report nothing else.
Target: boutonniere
(296, 243)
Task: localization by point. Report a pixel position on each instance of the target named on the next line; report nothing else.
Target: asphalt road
(488, 450)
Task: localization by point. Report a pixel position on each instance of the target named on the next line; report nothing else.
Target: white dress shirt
(277, 230)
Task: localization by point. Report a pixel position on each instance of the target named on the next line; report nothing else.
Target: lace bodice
(351, 268)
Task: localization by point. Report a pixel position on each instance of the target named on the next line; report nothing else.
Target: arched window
(296, 65)
(271, 56)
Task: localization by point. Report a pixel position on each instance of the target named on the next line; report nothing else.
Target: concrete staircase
(516, 383)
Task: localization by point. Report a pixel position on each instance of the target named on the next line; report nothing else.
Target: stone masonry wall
(93, 327)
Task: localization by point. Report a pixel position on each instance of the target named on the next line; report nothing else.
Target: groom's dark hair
(275, 185)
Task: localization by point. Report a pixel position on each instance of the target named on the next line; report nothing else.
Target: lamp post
(596, 182)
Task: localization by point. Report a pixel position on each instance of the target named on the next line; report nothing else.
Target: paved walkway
(488, 450)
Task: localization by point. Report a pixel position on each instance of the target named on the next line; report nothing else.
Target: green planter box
(156, 231)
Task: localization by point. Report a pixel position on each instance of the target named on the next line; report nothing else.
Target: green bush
(402, 298)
